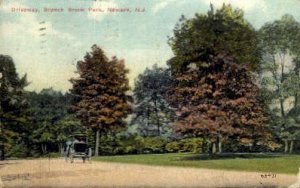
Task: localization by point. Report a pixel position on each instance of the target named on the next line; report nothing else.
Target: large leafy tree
(280, 76)
(215, 93)
(152, 112)
(13, 105)
(222, 104)
(100, 94)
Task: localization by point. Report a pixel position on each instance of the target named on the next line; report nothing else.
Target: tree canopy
(215, 93)
(152, 112)
(280, 80)
(13, 105)
(100, 94)
(222, 31)
(222, 104)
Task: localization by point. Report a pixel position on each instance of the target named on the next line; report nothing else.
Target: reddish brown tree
(100, 97)
(217, 101)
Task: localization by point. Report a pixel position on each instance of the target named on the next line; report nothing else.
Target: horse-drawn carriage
(77, 148)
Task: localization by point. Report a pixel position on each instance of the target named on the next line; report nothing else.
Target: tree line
(228, 87)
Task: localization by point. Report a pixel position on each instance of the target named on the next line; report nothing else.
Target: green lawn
(288, 164)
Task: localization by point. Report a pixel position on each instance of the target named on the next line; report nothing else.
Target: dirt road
(58, 173)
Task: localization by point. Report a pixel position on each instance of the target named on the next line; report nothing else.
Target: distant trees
(31, 123)
(52, 124)
(13, 105)
(280, 79)
(215, 94)
(100, 94)
(152, 112)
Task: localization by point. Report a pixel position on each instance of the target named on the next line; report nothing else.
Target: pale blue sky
(139, 38)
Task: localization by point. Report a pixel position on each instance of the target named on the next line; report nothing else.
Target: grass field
(287, 164)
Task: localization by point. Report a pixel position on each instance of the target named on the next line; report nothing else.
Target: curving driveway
(58, 173)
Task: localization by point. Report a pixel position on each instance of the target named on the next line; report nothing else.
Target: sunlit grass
(288, 164)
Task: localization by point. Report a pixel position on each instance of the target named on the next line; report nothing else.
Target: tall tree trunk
(220, 145)
(214, 149)
(292, 146)
(297, 100)
(297, 94)
(282, 108)
(281, 100)
(157, 118)
(44, 148)
(286, 146)
(148, 121)
(2, 154)
(87, 136)
(61, 148)
(204, 145)
(1, 144)
(97, 143)
(113, 143)
(2, 147)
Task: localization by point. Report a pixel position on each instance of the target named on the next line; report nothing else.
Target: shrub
(131, 150)
(19, 151)
(132, 144)
(191, 145)
(173, 146)
(154, 145)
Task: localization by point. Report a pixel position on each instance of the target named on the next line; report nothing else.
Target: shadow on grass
(231, 156)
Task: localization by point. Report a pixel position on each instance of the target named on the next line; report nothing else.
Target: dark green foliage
(14, 122)
(66, 127)
(131, 144)
(19, 151)
(52, 124)
(223, 31)
(152, 112)
(134, 144)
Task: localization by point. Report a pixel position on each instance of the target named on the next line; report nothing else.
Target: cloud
(161, 5)
(246, 5)
(98, 15)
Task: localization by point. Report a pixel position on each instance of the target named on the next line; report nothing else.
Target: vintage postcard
(150, 93)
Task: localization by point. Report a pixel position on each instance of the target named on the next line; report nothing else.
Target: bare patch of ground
(58, 173)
